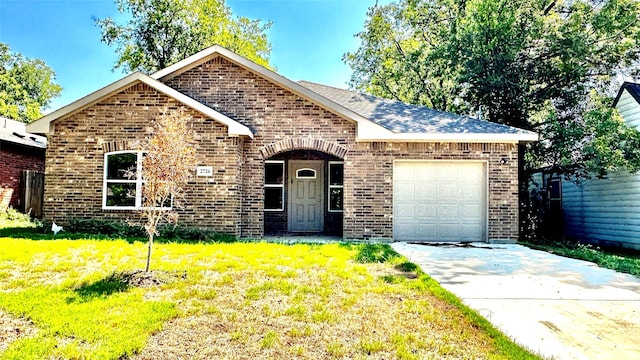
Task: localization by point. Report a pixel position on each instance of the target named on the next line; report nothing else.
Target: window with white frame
(336, 186)
(274, 185)
(123, 182)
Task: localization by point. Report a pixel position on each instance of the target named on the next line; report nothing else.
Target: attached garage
(439, 201)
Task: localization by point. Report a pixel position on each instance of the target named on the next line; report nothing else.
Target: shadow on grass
(114, 283)
(45, 234)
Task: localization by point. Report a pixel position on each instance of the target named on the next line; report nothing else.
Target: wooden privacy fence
(32, 192)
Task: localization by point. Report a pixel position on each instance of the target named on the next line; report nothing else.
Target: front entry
(306, 199)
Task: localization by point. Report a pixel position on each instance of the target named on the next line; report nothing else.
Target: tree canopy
(27, 86)
(162, 32)
(543, 65)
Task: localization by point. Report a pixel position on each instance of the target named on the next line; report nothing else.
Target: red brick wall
(13, 160)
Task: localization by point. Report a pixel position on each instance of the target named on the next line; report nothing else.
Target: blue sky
(308, 37)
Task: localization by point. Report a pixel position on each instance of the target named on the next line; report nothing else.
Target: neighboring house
(607, 211)
(280, 157)
(19, 151)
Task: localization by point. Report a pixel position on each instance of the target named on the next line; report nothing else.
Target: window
(336, 186)
(123, 183)
(274, 185)
(306, 174)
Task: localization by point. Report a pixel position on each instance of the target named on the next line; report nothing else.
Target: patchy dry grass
(242, 300)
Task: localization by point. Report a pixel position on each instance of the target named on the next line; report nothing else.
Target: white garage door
(439, 201)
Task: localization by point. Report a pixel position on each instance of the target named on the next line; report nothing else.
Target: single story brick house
(19, 151)
(283, 157)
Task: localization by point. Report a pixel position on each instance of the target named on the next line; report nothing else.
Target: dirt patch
(12, 329)
(144, 279)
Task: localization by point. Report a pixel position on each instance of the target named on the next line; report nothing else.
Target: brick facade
(283, 124)
(14, 159)
(75, 161)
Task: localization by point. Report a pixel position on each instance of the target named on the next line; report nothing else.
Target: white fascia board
(450, 137)
(366, 132)
(216, 50)
(42, 125)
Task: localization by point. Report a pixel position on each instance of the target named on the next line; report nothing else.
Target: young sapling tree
(168, 162)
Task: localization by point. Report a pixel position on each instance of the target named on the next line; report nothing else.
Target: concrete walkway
(561, 308)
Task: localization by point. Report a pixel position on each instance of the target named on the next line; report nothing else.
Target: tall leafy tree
(162, 32)
(542, 65)
(27, 86)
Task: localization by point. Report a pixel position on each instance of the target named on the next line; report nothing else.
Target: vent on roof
(18, 135)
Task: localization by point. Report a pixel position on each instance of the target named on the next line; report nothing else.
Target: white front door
(306, 200)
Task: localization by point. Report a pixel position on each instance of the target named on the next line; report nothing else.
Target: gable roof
(271, 76)
(632, 88)
(377, 119)
(412, 121)
(43, 125)
(15, 132)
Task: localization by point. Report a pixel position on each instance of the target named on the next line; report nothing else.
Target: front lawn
(239, 300)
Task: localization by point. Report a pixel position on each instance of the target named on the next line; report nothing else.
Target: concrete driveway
(558, 307)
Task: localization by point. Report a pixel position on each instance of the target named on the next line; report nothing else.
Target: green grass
(230, 300)
(618, 260)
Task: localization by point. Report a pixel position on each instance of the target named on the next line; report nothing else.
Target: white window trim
(334, 186)
(275, 185)
(138, 181)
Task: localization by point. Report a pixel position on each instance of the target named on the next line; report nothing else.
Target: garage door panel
(439, 201)
(446, 172)
(404, 171)
(405, 211)
(425, 173)
(426, 212)
(404, 193)
(448, 191)
(448, 213)
(425, 230)
(425, 193)
(406, 231)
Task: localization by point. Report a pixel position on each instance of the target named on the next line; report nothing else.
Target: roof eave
(453, 137)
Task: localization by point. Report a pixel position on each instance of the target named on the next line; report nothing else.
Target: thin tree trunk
(149, 252)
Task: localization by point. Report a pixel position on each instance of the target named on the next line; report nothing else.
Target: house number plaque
(204, 171)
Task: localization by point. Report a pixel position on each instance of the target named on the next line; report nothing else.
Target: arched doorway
(303, 193)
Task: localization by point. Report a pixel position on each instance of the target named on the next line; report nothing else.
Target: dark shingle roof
(14, 132)
(399, 117)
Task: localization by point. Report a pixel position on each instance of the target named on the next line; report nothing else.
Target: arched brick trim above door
(303, 144)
